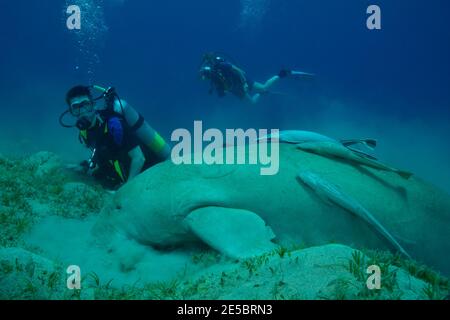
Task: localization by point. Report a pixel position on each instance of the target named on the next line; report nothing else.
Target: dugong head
(152, 208)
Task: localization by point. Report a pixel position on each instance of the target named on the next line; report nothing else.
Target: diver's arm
(243, 81)
(242, 72)
(137, 162)
(145, 132)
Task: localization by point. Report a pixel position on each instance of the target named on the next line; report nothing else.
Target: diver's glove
(88, 167)
(84, 165)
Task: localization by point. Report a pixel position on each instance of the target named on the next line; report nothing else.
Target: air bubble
(253, 12)
(90, 39)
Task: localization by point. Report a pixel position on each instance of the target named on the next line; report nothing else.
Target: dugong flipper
(330, 192)
(236, 233)
(330, 149)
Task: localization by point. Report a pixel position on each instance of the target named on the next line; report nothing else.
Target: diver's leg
(263, 87)
(253, 99)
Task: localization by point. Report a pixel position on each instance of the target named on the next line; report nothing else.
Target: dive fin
(302, 74)
(370, 143)
(236, 233)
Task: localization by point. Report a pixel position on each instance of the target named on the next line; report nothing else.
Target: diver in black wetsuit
(227, 77)
(122, 143)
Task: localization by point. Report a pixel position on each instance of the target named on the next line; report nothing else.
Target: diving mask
(205, 72)
(80, 108)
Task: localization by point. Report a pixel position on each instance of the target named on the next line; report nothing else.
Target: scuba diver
(123, 144)
(225, 77)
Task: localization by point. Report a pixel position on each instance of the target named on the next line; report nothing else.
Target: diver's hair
(78, 91)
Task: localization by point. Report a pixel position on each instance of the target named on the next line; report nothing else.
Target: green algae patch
(37, 186)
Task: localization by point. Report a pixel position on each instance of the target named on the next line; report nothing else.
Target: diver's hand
(84, 165)
(78, 168)
(88, 168)
(92, 170)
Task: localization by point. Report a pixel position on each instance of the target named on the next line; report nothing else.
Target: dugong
(241, 213)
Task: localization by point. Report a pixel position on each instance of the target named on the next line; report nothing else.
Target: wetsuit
(113, 140)
(226, 78)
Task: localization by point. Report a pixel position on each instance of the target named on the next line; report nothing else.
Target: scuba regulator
(82, 123)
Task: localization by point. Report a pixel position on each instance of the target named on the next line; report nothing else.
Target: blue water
(390, 84)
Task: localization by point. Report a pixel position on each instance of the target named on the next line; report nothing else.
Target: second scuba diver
(227, 77)
(123, 144)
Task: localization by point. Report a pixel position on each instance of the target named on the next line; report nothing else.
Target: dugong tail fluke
(329, 192)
